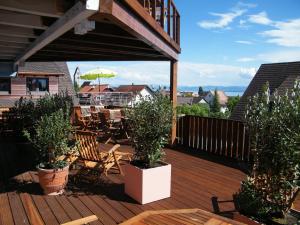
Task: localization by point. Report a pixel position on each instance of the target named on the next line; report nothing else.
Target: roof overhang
(34, 30)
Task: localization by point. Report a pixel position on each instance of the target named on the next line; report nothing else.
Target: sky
(223, 43)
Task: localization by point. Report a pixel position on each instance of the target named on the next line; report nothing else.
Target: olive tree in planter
(147, 177)
(273, 121)
(50, 138)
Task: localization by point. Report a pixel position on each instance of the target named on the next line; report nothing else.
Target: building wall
(18, 89)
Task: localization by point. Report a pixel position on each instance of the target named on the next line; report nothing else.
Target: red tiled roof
(95, 88)
(131, 88)
(223, 98)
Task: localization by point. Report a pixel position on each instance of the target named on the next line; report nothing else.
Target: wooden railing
(166, 14)
(222, 137)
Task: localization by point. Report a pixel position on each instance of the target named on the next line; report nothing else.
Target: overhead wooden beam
(21, 20)
(102, 43)
(173, 97)
(103, 49)
(13, 45)
(47, 8)
(76, 14)
(17, 40)
(135, 27)
(10, 50)
(16, 31)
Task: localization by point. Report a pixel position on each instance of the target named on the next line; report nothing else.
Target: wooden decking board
(30, 209)
(118, 218)
(44, 210)
(6, 217)
(57, 210)
(104, 218)
(18, 210)
(68, 207)
(82, 209)
(194, 182)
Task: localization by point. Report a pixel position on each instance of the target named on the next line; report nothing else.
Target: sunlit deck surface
(195, 182)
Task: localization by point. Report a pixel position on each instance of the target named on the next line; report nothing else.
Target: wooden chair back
(88, 146)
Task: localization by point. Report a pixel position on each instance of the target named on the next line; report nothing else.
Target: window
(5, 84)
(37, 84)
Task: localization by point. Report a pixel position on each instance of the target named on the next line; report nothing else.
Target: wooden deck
(196, 183)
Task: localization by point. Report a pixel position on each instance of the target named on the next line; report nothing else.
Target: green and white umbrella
(98, 74)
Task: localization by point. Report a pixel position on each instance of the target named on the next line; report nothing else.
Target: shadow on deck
(197, 182)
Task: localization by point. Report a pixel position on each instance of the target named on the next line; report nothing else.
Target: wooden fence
(218, 136)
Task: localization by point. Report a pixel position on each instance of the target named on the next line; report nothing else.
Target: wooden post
(173, 97)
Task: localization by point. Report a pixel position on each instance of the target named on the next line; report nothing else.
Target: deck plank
(195, 181)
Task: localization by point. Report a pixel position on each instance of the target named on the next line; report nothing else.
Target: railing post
(173, 97)
(162, 13)
(169, 17)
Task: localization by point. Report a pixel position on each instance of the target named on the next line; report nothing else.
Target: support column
(173, 97)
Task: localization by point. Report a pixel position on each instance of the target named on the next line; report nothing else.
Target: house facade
(34, 80)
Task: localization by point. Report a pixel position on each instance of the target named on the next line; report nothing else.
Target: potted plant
(50, 138)
(148, 177)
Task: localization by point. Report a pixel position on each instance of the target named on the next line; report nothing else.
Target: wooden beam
(21, 20)
(104, 49)
(173, 97)
(36, 7)
(136, 28)
(12, 45)
(17, 40)
(77, 13)
(16, 31)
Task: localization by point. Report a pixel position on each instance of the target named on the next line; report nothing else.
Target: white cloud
(274, 56)
(245, 59)
(225, 19)
(260, 18)
(190, 74)
(285, 33)
(280, 56)
(245, 42)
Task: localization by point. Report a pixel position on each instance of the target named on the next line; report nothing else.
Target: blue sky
(223, 43)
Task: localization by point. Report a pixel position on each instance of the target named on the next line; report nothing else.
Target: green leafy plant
(273, 121)
(151, 121)
(194, 110)
(51, 139)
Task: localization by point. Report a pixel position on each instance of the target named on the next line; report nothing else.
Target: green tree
(200, 91)
(193, 110)
(215, 106)
(232, 102)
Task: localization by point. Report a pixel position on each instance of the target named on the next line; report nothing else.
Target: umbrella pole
(99, 89)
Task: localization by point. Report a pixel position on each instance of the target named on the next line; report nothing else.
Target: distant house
(206, 97)
(87, 87)
(137, 92)
(280, 76)
(35, 79)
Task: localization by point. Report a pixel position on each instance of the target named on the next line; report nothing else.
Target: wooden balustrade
(169, 19)
(222, 137)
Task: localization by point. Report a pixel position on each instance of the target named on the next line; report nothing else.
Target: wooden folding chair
(92, 157)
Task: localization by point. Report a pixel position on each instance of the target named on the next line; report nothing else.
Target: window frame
(28, 79)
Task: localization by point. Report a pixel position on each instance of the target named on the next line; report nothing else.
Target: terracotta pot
(148, 185)
(53, 181)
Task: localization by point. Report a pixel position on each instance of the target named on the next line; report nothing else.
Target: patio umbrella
(98, 74)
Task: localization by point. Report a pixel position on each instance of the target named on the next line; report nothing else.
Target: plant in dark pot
(147, 177)
(50, 138)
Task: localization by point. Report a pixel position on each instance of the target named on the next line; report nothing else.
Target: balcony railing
(222, 137)
(166, 14)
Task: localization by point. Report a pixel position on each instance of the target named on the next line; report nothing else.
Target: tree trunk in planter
(148, 185)
(53, 181)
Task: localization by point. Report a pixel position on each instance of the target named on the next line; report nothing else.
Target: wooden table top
(179, 216)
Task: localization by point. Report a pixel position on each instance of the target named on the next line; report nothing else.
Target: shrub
(151, 121)
(51, 139)
(274, 125)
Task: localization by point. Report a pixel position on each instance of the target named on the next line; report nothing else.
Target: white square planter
(148, 185)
